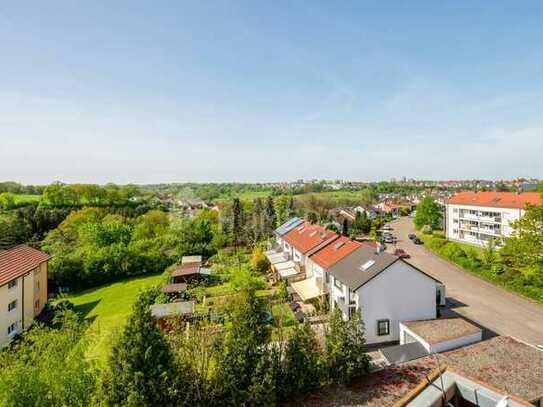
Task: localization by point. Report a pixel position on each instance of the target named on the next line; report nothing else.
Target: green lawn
(470, 258)
(108, 307)
(283, 311)
(26, 198)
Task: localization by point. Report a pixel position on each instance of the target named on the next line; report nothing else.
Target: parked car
(411, 236)
(389, 239)
(416, 240)
(387, 227)
(402, 254)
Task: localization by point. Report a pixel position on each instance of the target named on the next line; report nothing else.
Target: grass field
(470, 258)
(21, 199)
(337, 195)
(107, 309)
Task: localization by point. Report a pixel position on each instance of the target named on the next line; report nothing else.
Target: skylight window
(301, 228)
(367, 265)
(338, 245)
(313, 233)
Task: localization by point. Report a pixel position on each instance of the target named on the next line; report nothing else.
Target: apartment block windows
(338, 284)
(12, 284)
(12, 328)
(383, 327)
(12, 305)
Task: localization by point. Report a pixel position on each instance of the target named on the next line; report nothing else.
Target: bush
(426, 229)
(259, 262)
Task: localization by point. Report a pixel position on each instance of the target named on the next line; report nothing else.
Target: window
(37, 304)
(338, 284)
(12, 328)
(12, 284)
(383, 327)
(12, 305)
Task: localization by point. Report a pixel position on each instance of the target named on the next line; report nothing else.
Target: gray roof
(172, 309)
(404, 353)
(349, 272)
(288, 226)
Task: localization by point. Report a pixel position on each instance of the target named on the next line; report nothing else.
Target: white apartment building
(477, 217)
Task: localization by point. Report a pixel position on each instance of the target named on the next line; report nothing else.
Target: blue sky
(263, 91)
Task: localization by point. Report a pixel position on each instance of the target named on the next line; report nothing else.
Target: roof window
(367, 265)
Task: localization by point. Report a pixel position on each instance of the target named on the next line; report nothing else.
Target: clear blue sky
(158, 91)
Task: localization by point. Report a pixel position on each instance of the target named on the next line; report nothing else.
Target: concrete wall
(398, 294)
(441, 346)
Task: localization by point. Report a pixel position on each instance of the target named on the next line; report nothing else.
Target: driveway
(491, 307)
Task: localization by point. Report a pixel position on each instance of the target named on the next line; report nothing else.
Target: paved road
(491, 307)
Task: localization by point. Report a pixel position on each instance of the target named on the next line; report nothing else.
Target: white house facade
(386, 290)
(478, 217)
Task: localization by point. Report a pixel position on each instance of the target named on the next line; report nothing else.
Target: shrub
(426, 229)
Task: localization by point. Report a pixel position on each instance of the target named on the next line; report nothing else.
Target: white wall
(399, 293)
(441, 346)
(16, 315)
(457, 342)
(508, 215)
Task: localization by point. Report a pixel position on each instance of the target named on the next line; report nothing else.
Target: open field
(21, 199)
(336, 195)
(108, 307)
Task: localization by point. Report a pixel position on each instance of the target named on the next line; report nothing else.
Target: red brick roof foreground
(334, 252)
(307, 236)
(496, 199)
(18, 261)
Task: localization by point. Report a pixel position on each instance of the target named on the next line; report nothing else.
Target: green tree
(238, 224)
(48, 367)
(141, 367)
(281, 204)
(428, 213)
(241, 358)
(259, 262)
(7, 200)
(270, 217)
(523, 250)
(258, 219)
(302, 363)
(345, 348)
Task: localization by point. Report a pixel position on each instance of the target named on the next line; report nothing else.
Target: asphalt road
(494, 309)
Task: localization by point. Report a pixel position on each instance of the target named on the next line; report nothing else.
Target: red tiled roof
(496, 199)
(186, 269)
(307, 236)
(18, 261)
(334, 252)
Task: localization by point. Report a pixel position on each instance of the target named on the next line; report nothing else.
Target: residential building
(385, 288)
(478, 217)
(23, 289)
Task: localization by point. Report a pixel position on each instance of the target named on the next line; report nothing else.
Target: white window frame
(12, 306)
(12, 328)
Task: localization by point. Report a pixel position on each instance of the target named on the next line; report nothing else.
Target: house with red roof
(23, 289)
(478, 217)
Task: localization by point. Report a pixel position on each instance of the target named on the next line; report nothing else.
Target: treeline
(197, 365)
(16, 188)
